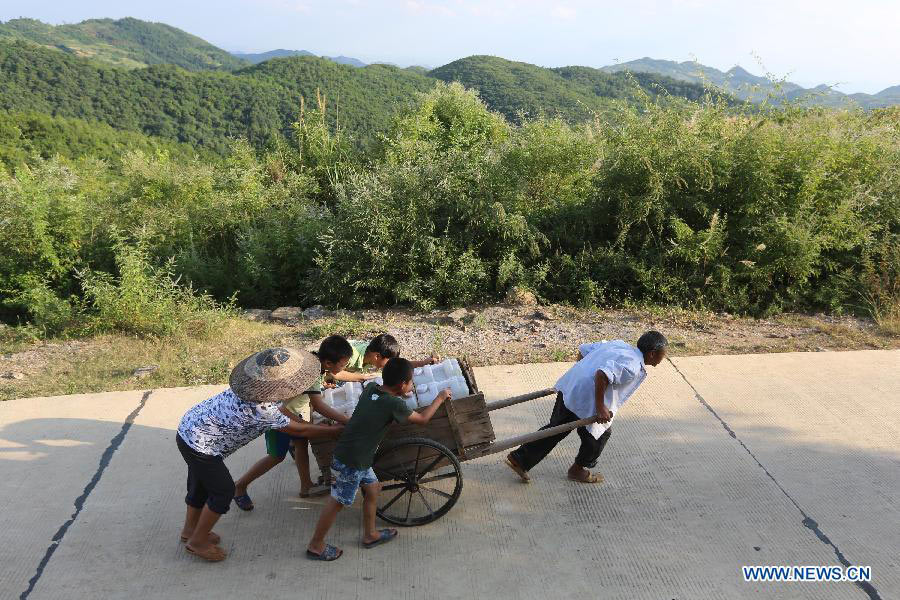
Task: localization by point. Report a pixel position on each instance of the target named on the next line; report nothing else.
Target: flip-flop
(212, 554)
(384, 535)
(316, 490)
(329, 554)
(522, 473)
(213, 538)
(244, 502)
(592, 478)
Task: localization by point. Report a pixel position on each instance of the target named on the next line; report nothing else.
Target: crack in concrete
(808, 521)
(105, 458)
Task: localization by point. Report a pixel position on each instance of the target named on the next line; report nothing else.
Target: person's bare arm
(320, 406)
(601, 382)
(358, 377)
(301, 428)
(431, 360)
(422, 418)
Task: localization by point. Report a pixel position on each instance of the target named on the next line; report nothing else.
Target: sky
(854, 46)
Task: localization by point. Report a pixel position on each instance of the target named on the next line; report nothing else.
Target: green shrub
(147, 300)
(696, 204)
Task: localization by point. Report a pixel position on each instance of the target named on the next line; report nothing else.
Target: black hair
(334, 348)
(396, 372)
(652, 341)
(384, 344)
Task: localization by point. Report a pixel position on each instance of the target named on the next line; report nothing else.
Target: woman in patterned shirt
(213, 429)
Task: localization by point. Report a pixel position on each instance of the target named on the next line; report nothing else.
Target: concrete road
(717, 462)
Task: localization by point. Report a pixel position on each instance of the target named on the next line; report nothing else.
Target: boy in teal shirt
(351, 466)
(369, 357)
(333, 354)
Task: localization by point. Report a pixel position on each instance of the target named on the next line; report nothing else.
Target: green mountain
(204, 108)
(261, 102)
(747, 86)
(575, 93)
(128, 42)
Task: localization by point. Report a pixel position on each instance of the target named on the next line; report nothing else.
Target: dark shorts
(278, 443)
(209, 481)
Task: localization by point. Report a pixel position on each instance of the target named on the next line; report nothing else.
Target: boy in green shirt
(373, 356)
(351, 466)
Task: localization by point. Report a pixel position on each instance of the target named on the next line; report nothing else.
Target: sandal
(522, 473)
(329, 554)
(244, 502)
(212, 554)
(214, 538)
(384, 535)
(316, 490)
(591, 478)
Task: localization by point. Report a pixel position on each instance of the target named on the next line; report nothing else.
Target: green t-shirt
(356, 360)
(376, 411)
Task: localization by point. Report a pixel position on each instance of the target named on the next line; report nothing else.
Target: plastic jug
(445, 370)
(422, 375)
(426, 393)
(457, 385)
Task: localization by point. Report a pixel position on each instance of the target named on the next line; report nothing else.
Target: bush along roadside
(694, 204)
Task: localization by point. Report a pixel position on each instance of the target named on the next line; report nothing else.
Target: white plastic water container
(458, 386)
(422, 375)
(426, 393)
(446, 370)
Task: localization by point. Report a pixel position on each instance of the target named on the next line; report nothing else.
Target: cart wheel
(421, 480)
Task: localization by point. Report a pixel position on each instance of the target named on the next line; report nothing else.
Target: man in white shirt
(605, 376)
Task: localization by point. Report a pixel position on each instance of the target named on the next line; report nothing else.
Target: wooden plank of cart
(419, 466)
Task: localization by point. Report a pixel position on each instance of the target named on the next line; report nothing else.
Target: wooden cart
(419, 466)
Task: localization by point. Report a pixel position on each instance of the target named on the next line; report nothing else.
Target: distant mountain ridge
(747, 86)
(257, 58)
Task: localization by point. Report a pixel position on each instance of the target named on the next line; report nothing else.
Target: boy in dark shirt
(351, 466)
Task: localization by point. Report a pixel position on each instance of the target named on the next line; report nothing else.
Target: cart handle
(518, 399)
(512, 442)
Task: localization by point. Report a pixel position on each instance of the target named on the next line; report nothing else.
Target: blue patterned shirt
(220, 425)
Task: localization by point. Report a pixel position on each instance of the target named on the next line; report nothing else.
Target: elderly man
(602, 380)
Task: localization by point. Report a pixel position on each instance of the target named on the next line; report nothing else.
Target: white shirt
(623, 365)
(220, 425)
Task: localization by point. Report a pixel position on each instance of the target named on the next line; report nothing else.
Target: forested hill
(204, 109)
(125, 42)
(574, 93)
(260, 102)
(26, 135)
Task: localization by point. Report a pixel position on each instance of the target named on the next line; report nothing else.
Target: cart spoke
(394, 499)
(434, 491)
(439, 458)
(391, 474)
(408, 506)
(451, 475)
(416, 467)
(393, 486)
(428, 506)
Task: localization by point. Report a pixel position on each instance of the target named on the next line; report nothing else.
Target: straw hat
(274, 374)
